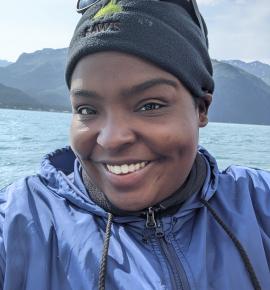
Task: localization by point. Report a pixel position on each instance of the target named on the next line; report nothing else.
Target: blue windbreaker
(52, 235)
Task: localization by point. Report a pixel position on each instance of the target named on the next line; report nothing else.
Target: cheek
(179, 137)
(82, 139)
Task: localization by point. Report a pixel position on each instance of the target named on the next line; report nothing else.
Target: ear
(203, 106)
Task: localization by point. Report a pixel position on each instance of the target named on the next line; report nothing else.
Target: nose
(116, 133)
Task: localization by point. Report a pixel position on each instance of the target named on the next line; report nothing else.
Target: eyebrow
(137, 89)
(84, 93)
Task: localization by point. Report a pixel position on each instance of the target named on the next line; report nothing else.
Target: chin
(132, 204)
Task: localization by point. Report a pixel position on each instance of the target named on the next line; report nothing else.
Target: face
(134, 128)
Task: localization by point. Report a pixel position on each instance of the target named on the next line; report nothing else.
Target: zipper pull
(150, 218)
(159, 231)
(153, 223)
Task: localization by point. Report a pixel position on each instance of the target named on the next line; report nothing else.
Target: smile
(126, 168)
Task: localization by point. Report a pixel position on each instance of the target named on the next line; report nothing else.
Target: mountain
(4, 63)
(40, 75)
(14, 98)
(257, 68)
(239, 97)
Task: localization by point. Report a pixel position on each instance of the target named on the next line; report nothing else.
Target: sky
(238, 29)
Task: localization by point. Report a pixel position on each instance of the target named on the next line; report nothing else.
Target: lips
(121, 169)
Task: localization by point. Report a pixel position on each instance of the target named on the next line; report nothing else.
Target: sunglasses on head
(83, 5)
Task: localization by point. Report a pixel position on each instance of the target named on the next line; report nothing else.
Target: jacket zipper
(180, 281)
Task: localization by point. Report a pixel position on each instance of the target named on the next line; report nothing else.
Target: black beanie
(164, 33)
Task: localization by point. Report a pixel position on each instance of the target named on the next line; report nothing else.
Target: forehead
(117, 67)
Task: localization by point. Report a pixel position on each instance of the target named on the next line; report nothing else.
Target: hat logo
(109, 9)
(102, 27)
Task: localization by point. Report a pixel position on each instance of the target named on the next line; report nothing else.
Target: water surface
(26, 136)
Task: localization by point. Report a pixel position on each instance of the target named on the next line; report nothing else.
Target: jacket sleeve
(2, 244)
(261, 201)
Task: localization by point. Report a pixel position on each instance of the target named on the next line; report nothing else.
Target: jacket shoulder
(20, 186)
(15, 195)
(256, 180)
(245, 192)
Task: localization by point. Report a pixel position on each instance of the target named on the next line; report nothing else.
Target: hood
(60, 172)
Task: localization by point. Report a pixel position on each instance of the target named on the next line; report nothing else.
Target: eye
(85, 111)
(151, 107)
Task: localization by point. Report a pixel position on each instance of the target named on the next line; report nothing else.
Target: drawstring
(103, 263)
(240, 248)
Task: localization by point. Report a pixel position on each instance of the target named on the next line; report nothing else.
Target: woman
(135, 204)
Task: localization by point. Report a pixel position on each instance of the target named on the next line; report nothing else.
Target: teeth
(125, 168)
(137, 166)
(131, 168)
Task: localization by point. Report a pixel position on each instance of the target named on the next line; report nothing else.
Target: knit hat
(164, 33)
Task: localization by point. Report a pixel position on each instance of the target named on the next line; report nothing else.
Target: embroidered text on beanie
(163, 33)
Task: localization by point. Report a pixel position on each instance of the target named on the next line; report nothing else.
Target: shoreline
(35, 109)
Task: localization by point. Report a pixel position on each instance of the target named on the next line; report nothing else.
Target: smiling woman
(134, 203)
(114, 127)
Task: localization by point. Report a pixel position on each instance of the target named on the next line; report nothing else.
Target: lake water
(26, 136)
